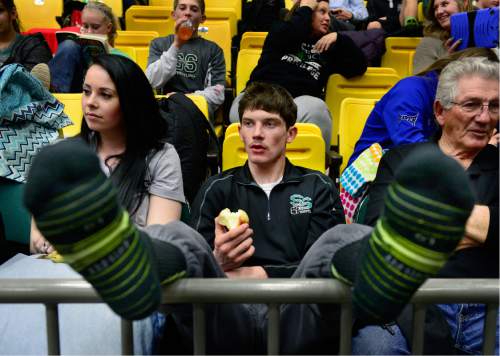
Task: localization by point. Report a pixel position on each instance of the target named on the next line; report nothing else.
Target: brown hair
(271, 98)
(439, 65)
(201, 4)
(108, 14)
(294, 8)
(433, 28)
(10, 6)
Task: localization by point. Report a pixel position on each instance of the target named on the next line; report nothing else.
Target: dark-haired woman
(16, 48)
(123, 124)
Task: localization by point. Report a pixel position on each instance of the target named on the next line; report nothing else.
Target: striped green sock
(75, 207)
(426, 209)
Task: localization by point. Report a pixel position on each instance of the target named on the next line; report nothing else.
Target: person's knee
(69, 48)
(380, 340)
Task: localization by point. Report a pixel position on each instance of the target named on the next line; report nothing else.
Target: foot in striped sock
(426, 209)
(75, 207)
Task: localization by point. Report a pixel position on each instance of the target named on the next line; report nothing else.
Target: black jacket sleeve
(31, 50)
(378, 188)
(346, 58)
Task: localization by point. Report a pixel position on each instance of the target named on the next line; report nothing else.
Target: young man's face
(189, 10)
(265, 136)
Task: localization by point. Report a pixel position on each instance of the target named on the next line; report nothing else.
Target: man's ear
(291, 134)
(439, 112)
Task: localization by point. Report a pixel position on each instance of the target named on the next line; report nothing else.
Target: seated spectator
(69, 64)
(466, 108)
(122, 124)
(187, 63)
(397, 18)
(173, 251)
(345, 14)
(399, 119)
(16, 48)
(300, 54)
(437, 42)
(302, 203)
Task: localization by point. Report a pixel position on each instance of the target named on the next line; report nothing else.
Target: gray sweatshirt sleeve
(161, 63)
(428, 51)
(215, 80)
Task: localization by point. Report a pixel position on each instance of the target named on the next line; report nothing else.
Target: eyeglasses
(476, 107)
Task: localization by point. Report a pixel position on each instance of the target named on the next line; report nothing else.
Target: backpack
(190, 133)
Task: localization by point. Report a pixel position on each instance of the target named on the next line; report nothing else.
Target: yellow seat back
(247, 60)
(372, 85)
(135, 38)
(253, 40)
(218, 31)
(39, 13)
(233, 5)
(398, 53)
(288, 4)
(148, 18)
(420, 12)
(353, 115)
(198, 100)
(73, 108)
(307, 150)
(129, 51)
(115, 5)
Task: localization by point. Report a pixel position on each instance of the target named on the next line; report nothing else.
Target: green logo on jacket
(300, 204)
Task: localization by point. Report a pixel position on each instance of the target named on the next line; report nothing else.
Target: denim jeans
(466, 326)
(67, 68)
(378, 340)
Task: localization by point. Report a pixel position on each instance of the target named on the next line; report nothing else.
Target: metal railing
(272, 292)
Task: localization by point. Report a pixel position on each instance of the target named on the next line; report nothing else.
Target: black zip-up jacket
(29, 51)
(288, 59)
(300, 208)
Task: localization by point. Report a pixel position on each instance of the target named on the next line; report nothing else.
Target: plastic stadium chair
(398, 52)
(288, 4)
(420, 12)
(154, 18)
(149, 18)
(116, 6)
(247, 60)
(39, 13)
(234, 5)
(135, 38)
(252, 40)
(353, 115)
(307, 150)
(129, 51)
(73, 108)
(372, 85)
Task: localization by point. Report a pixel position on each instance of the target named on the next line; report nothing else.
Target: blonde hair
(432, 27)
(108, 15)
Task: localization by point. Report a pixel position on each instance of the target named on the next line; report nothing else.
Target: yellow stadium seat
(234, 5)
(154, 18)
(115, 5)
(420, 12)
(247, 60)
(372, 85)
(198, 100)
(73, 108)
(219, 32)
(307, 150)
(353, 115)
(140, 40)
(39, 13)
(129, 51)
(397, 55)
(148, 18)
(288, 4)
(135, 38)
(253, 40)
(142, 55)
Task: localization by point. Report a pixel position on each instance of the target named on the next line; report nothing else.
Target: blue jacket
(404, 115)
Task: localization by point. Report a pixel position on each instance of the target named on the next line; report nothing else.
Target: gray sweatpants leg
(230, 328)
(314, 328)
(309, 109)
